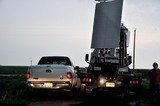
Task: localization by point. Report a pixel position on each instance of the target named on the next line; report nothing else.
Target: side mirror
(87, 57)
(76, 68)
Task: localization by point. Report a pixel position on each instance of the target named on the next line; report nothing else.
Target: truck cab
(109, 71)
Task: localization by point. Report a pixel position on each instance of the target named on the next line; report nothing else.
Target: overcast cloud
(30, 29)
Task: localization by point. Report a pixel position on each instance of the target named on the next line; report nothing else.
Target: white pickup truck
(52, 72)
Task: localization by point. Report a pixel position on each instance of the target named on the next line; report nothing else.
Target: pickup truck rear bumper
(50, 85)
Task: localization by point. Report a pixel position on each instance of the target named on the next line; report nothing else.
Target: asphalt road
(66, 99)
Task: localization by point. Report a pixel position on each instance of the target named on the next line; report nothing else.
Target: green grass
(13, 69)
(13, 90)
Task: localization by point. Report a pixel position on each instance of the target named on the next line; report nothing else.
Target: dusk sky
(30, 29)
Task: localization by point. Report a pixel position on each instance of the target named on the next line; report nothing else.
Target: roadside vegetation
(13, 90)
(20, 70)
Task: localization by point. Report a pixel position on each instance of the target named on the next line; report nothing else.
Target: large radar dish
(107, 24)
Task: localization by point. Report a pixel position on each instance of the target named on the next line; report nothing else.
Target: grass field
(13, 69)
(13, 90)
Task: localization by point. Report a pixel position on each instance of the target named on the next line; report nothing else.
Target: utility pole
(134, 49)
(31, 62)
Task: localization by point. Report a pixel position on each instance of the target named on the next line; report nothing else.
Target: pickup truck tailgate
(49, 71)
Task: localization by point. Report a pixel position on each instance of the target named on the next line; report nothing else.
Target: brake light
(134, 82)
(28, 75)
(69, 75)
(87, 79)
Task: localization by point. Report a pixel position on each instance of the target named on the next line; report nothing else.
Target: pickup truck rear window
(55, 60)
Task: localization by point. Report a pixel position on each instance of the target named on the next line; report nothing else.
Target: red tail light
(84, 79)
(134, 82)
(87, 80)
(28, 75)
(137, 82)
(90, 79)
(69, 75)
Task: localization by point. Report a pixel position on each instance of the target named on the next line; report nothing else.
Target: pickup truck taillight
(28, 75)
(69, 75)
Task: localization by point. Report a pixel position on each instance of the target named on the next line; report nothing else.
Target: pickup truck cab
(52, 72)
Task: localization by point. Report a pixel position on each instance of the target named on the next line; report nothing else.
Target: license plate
(110, 84)
(48, 85)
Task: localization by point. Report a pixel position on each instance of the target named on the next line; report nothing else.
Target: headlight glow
(102, 81)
